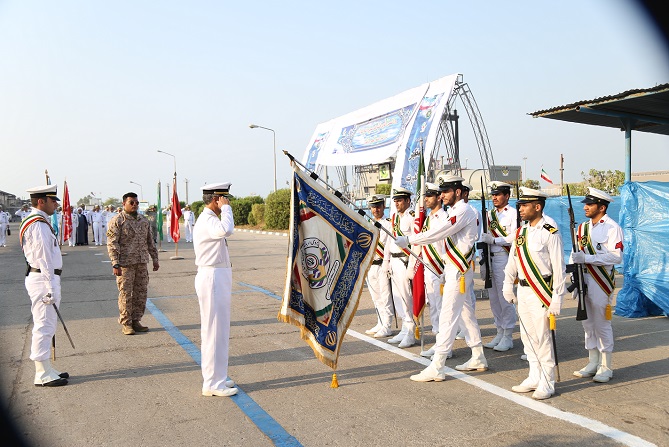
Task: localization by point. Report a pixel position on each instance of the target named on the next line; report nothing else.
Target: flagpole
(360, 211)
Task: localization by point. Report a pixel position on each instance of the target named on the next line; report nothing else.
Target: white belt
(222, 265)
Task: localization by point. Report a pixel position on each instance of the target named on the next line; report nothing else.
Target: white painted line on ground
(527, 402)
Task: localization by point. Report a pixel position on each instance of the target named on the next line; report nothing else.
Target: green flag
(159, 217)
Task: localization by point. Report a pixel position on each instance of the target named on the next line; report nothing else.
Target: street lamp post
(255, 126)
(141, 190)
(524, 168)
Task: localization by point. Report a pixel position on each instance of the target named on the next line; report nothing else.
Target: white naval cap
(431, 189)
(44, 191)
(219, 189)
(597, 196)
(468, 186)
(376, 199)
(449, 181)
(499, 188)
(401, 193)
(531, 195)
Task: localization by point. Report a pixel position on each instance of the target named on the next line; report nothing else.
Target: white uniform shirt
(4, 217)
(96, 216)
(607, 239)
(40, 247)
(507, 218)
(188, 216)
(546, 251)
(437, 219)
(460, 227)
(406, 227)
(209, 233)
(384, 238)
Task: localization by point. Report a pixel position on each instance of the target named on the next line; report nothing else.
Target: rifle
(577, 269)
(519, 221)
(485, 258)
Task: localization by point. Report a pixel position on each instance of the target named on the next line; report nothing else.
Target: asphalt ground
(144, 390)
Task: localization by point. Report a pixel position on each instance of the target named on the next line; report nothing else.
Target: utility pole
(561, 174)
(186, 180)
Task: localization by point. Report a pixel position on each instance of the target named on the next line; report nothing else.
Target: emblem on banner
(315, 262)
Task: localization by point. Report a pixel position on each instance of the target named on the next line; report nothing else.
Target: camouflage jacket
(129, 240)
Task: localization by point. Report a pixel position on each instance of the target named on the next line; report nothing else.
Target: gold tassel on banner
(462, 284)
(417, 332)
(607, 312)
(335, 382)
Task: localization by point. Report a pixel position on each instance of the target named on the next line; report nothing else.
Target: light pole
(524, 168)
(141, 190)
(254, 126)
(186, 180)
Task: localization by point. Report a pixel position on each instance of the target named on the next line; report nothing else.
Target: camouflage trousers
(132, 285)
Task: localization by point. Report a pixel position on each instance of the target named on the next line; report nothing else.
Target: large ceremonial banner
(366, 136)
(330, 250)
(423, 133)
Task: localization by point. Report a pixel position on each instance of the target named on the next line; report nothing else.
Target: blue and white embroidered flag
(331, 248)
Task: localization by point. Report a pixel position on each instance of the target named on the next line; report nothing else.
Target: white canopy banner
(377, 132)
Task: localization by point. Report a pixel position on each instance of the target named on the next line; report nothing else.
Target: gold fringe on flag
(335, 382)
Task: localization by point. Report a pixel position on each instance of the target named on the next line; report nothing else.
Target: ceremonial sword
(60, 317)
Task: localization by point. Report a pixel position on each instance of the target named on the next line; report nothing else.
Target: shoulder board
(550, 228)
(412, 212)
(388, 219)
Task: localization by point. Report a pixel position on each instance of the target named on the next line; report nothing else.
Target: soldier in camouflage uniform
(130, 243)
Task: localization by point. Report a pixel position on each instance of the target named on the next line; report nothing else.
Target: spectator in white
(4, 224)
(189, 221)
(96, 218)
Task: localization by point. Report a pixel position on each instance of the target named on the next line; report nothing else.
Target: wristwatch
(116, 266)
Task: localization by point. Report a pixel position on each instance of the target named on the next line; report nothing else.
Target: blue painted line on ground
(261, 290)
(265, 423)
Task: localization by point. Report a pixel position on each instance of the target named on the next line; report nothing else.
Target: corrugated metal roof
(648, 108)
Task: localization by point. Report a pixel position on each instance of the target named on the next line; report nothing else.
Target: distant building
(10, 202)
(655, 176)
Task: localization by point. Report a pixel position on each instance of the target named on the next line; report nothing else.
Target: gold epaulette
(412, 212)
(550, 228)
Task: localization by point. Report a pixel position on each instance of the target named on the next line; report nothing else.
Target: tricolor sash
(496, 228)
(533, 276)
(460, 261)
(430, 253)
(602, 277)
(29, 220)
(379, 250)
(397, 231)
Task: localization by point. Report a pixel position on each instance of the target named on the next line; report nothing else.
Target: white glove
(554, 308)
(385, 267)
(578, 257)
(483, 271)
(442, 279)
(50, 298)
(487, 238)
(509, 295)
(402, 241)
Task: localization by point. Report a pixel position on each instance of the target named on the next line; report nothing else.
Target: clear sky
(91, 90)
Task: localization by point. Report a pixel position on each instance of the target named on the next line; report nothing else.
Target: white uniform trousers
(536, 337)
(214, 291)
(97, 228)
(402, 294)
(189, 232)
(72, 241)
(503, 311)
(598, 330)
(456, 309)
(3, 233)
(433, 295)
(103, 233)
(379, 288)
(44, 317)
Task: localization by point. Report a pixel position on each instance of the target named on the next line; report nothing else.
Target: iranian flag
(419, 221)
(545, 177)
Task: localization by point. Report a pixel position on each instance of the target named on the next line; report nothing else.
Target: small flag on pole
(175, 213)
(418, 283)
(545, 177)
(67, 214)
(159, 214)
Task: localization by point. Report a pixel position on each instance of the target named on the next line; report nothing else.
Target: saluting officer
(458, 236)
(378, 281)
(600, 241)
(502, 222)
(40, 247)
(402, 224)
(213, 285)
(537, 261)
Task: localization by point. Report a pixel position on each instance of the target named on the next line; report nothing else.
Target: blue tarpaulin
(644, 217)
